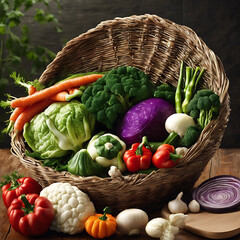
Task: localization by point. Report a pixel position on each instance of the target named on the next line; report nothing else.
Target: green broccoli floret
(190, 137)
(204, 107)
(166, 92)
(113, 94)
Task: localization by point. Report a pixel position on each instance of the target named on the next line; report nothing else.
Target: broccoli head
(113, 94)
(204, 107)
(190, 137)
(166, 92)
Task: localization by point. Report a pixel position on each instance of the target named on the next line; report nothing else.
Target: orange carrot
(17, 111)
(31, 90)
(72, 90)
(60, 97)
(68, 95)
(49, 92)
(30, 112)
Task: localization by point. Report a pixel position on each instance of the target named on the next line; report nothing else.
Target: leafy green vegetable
(113, 94)
(62, 128)
(58, 164)
(204, 106)
(148, 171)
(82, 164)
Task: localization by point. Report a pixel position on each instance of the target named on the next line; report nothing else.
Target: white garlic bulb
(177, 205)
(194, 206)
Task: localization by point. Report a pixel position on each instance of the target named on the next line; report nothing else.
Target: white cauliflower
(156, 227)
(165, 229)
(181, 150)
(177, 219)
(114, 172)
(72, 207)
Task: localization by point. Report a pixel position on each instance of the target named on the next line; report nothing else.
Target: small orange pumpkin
(101, 225)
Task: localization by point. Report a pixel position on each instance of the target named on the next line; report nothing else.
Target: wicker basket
(156, 46)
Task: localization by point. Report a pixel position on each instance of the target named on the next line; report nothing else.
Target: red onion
(218, 194)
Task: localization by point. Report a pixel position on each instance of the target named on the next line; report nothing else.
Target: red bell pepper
(31, 215)
(15, 185)
(138, 157)
(164, 157)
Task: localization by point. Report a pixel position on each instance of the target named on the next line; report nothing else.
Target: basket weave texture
(157, 46)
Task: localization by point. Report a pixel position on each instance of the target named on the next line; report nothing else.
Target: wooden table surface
(225, 161)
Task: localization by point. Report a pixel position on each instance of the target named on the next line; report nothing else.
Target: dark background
(216, 22)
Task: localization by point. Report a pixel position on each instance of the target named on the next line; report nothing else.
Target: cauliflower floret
(165, 229)
(156, 227)
(169, 233)
(72, 207)
(177, 220)
(114, 172)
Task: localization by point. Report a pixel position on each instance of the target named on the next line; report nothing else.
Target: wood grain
(225, 161)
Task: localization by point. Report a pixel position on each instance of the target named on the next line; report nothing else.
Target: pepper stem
(28, 207)
(106, 211)
(174, 157)
(11, 179)
(144, 143)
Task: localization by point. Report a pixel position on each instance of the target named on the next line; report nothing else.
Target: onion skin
(218, 194)
(146, 118)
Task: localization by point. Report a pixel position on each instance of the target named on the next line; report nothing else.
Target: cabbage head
(62, 128)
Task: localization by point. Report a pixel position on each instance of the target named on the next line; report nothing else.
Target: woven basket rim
(134, 19)
(202, 46)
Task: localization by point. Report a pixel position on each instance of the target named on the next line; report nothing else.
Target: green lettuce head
(63, 127)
